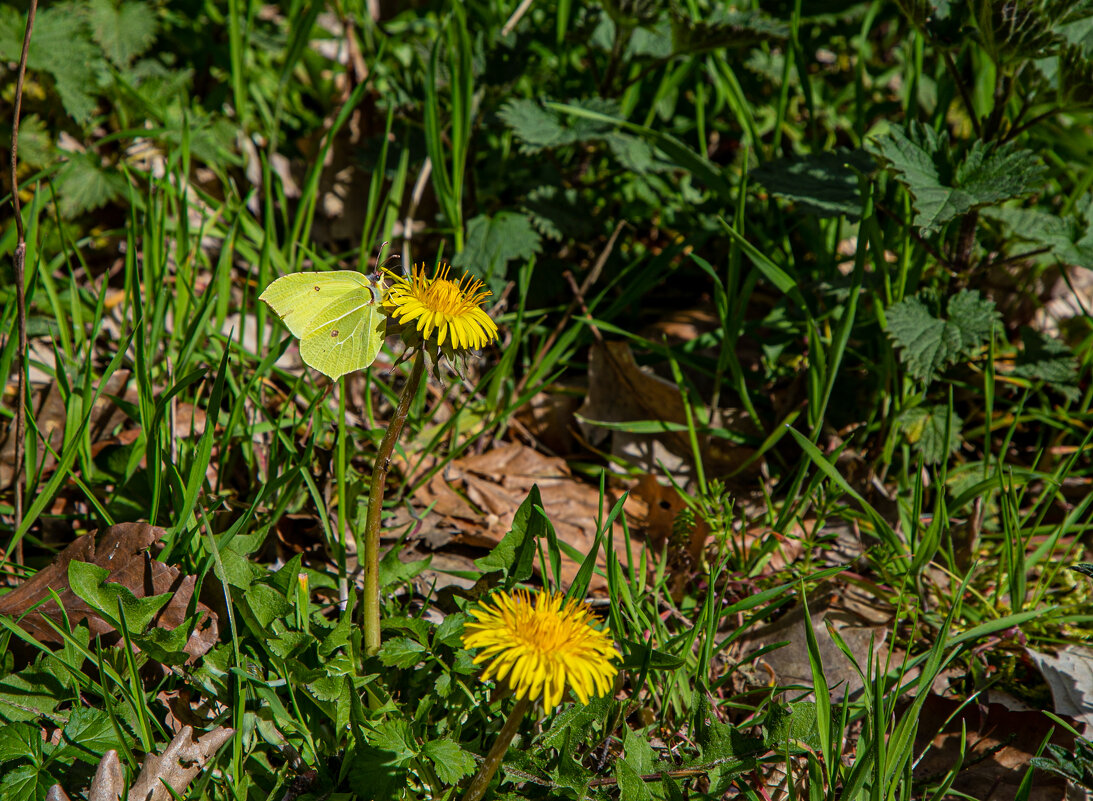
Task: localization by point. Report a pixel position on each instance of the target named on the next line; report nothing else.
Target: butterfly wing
(344, 336)
(299, 298)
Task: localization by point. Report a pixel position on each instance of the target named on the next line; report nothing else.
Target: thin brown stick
(19, 263)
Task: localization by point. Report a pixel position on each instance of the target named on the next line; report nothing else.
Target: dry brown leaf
(496, 482)
(51, 417)
(122, 549)
(179, 764)
(619, 391)
(1000, 744)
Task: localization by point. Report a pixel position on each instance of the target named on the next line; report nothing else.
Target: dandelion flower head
(442, 306)
(541, 645)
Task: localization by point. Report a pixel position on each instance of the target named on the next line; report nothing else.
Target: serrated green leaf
(90, 583)
(1044, 358)
(31, 691)
(450, 761)
(124, 30)
(25, 783)
(20, 741)
(825, 184)
(393, 571)
(1070, 238)
(539, 128)
(374, 774)
(943, 188)
(492, 242)
(83, 185)
(928, 345)
(924, 427)
(638, 760)
(88, 735)
(401, 652)
(792, 723)
(60, 46)
(450, 630)
(394, 737)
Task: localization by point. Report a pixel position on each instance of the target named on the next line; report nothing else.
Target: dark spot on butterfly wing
(316, 289)
(334, 333)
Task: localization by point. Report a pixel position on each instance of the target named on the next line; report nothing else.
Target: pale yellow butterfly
(338, 317)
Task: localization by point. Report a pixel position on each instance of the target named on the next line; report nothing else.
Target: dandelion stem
(370, 606)
(492, 762)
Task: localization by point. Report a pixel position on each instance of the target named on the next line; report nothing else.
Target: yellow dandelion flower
(542, 646)
(450, 309)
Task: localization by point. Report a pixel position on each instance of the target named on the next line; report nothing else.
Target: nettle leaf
(539, 128)
(89, 583)
(929, 345)
(942, 188)
(492, 242)
(557, 213)
(84, 185)
(924, 427)
(123, 30)
(825, 184)
(723, 28)
(1070, 238)
(450, 761)
(1044, 358)
(62, 47)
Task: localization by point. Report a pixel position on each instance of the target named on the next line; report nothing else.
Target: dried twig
(19, 259)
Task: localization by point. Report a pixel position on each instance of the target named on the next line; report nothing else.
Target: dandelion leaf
(515, 553)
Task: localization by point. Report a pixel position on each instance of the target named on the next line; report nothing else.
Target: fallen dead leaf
(999, 746)
(476, 497)
(123, 549)
(179, 764)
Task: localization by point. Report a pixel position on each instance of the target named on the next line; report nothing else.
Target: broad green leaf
(944, 188)
(539, 128)
(792, 723)
(638, 760)
(123, 30)
(84, 185)
(393, 571)
(515, 553)
(25, 783)
(825, 184)
(450, 761)
(929, 345)
(1044, 358)
(60, 46)
(88, 735)
(89, 582)
(1070, 238)
(375, 774)
(492, 242)
(20, 741)
(924, 427)
(401, 652)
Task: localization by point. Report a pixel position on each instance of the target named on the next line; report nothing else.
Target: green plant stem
(370, 605)
(482, 779)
